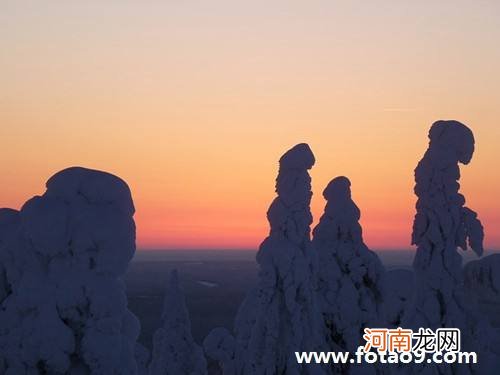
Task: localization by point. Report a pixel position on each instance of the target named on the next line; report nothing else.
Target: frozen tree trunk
(174, 350)
(442, 224)
(281, 315)
(350, 277)
(62, 257)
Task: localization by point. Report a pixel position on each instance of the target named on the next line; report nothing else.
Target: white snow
(64, 309)
(351, 277)
(174, 350)
(483, 277)
(281, 315)
(442, 224)
(220, 346)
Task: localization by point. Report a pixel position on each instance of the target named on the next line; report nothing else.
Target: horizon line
(388, 249)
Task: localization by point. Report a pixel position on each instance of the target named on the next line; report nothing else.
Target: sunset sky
(193, 102)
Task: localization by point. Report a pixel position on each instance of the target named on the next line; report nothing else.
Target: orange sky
(193, 102)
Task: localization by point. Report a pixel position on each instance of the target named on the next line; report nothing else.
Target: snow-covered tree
(482, 285)
(220, 346)
(482, 277)
(442, 224)
(63, 308)
(282, 315)
(174, 349)
(350, 276)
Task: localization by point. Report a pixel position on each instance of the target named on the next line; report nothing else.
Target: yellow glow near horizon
(192, 103)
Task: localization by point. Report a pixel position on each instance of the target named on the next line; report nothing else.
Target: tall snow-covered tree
(442, 225)
(174, 349)
(281, 315)
(63, 255)
(350, 276)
